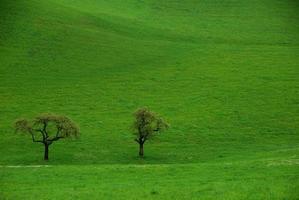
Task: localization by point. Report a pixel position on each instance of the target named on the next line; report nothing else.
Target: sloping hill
(223, 73)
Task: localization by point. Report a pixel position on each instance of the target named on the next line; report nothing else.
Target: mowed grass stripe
(192, 181)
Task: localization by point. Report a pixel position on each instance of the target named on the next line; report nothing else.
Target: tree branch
(33, 139)
(58, 131)
(55, 139)
(41, 131)
(45, 129)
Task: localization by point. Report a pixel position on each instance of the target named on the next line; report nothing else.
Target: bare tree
(146, 125)
(47, 128)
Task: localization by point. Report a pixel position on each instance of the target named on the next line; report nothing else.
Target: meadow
(224, 74)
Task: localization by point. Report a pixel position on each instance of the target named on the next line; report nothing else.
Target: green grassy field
(224, 74)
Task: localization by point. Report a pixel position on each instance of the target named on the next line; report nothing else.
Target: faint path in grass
(290, 160)
(23, 166)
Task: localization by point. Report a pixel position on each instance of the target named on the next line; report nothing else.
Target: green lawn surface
(224, 74)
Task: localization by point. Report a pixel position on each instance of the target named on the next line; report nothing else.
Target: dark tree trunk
(141, 149)
(46, 154)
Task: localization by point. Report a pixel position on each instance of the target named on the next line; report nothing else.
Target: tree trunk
(46, 154)
(141, 149)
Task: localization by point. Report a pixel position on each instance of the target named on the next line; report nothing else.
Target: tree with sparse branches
(47, 128)
(146, 125)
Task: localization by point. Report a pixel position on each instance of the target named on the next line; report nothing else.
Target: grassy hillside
(223, 73)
